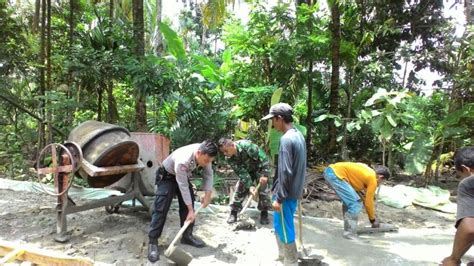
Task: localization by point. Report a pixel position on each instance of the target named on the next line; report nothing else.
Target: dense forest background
(350, 69)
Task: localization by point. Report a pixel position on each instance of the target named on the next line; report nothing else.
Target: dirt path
(121, 238)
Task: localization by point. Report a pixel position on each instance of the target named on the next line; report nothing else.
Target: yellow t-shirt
(362, 178)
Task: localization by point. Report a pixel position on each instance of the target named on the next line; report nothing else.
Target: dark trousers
(165, 192)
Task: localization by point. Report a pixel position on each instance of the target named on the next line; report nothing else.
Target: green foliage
(255, 99)
(13, 43)
(221, 199)
(12, 161)
(199, 107)
(419, 154)
(194, 92)
(385, 119)
(429, 128)
(174, 44)
(213, 13)
(150, 74)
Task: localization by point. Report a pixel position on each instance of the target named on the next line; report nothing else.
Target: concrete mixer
(106, 156)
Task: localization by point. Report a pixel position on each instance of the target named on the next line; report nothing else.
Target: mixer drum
(104, 145)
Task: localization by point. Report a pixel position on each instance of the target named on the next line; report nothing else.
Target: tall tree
(158, 36)
(49, 114)
(42, 83)
(36, 16)
(313, 41)
(70, 77)
(112, 112)
(335, 63)
(139, 38)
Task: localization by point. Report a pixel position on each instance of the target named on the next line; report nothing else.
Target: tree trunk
(112, 111)
(404, 74)
(203, 39)
(344, 153)
(438, 161)
(428, 172)
(267, 68)
(69, 94)
(384, 148)
(159, 37)
(36, 17)
(335, 61)
(309, 115)
(48, 71)
(390, 160)
(71, 24)
(99, 104)
(42, 85)
(139, 37)
(111, 13)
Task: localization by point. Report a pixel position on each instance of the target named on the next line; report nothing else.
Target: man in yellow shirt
(349, 180)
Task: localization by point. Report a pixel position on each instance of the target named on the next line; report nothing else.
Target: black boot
(264, 217)
(191, 240)
(153, 253)
(232, 217)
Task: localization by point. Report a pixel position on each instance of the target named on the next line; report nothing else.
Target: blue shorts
(283, 221)
(344, 191)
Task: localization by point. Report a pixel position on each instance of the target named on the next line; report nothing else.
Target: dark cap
(282, 109)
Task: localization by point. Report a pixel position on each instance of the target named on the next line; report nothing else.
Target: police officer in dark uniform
(173, 179)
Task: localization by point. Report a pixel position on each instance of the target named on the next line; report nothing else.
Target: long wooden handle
(247, 204)
(180, 232)
(300, 225)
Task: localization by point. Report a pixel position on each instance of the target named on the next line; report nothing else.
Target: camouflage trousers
(242, 189)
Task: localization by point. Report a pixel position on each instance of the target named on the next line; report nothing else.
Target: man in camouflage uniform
(251, 164)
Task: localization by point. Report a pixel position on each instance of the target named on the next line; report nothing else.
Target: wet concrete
(323, 237)
(423, 246)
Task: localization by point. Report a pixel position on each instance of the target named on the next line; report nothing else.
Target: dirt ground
(121, 238)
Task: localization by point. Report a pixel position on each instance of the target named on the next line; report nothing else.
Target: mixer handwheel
(54, 159)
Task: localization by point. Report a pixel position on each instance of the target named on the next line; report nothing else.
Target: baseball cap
(282, 109)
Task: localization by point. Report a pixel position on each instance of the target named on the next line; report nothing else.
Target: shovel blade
(178, 255)
(311, 260)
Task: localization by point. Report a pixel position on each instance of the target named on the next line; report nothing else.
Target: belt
(164, 175)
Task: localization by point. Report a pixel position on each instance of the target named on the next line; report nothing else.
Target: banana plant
(421, 148)
(386, 116)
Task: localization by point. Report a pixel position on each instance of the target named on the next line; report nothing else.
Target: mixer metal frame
(63, 174)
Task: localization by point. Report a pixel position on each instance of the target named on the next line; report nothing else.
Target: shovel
(176, 254)
(249, 200)
(245, 223)
(304, 257)
(303, 250)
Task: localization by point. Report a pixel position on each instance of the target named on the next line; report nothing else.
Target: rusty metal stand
(61, 182)
(63, 208)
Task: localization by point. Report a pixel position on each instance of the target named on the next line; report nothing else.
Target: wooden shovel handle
(247, 204)
(181, 231)
(300, 224)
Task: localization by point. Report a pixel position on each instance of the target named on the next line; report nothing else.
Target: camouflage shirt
(250, 162)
